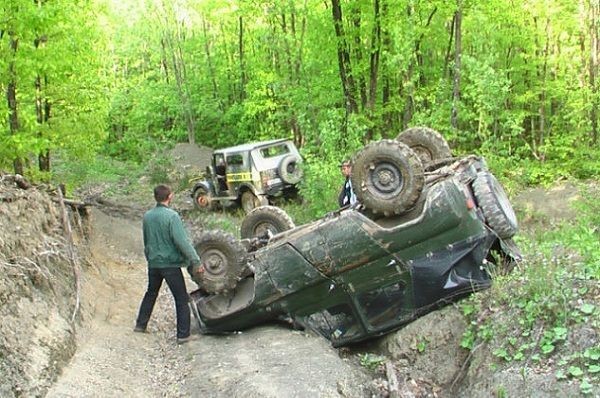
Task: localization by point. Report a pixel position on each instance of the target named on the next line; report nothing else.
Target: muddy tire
(264, 220)
(203, 199)
(289, 170)
(495, 206)
(428, 144)
(249, 201)
(387, 177)
(224, 259)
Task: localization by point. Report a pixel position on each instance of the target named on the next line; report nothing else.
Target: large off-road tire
(427, 143)
(289, 169)
(495, 205)
(265, 220)
(203, 199)
(387, 177)
(249, 201)
(224, 259)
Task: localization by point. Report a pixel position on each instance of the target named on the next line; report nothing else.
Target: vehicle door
(354, 253)
(238, 170)
(219, 176)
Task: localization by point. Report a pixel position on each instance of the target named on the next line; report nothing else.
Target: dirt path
(112, 360)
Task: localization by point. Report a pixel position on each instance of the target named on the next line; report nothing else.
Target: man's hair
(161, 193)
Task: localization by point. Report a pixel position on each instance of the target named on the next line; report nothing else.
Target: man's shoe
(183, 340)
(139, 329)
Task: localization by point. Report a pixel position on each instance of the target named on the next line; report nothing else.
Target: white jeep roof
(250, 146)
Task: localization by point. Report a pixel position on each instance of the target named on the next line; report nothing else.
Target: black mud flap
(511, 249)
(193, 298)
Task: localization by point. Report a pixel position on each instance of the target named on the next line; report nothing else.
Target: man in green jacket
(167, 249)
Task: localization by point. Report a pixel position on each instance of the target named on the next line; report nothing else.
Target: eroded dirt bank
(37, 298)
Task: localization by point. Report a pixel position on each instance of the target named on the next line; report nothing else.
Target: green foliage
(55, 67)
(371, 361)
(547, 299)
(78, 173)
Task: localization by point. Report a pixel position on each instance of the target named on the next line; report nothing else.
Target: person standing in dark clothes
(167, 249)
(346, 196)
(221, 172)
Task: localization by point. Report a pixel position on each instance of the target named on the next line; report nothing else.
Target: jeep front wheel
(203, 199)
(250, 201)
(428, 144)
(494, 204)
(387, 177)
(265, 221)
(224, 259)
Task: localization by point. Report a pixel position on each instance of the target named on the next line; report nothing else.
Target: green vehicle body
(351, 276)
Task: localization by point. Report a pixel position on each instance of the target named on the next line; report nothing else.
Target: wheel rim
(265, 227)
(202, 200)
(386, 178)
(291, 168)
(215, 262)
(423, 153)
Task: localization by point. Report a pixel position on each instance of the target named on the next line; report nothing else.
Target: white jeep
(250, 175)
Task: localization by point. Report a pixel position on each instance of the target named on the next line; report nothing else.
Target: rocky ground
(48, 348)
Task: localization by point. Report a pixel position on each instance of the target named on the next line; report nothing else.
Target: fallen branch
(18, 179)
(70, 202)
(463, 369)
(71, 251)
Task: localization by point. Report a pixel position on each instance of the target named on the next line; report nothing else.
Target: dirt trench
(112, 360)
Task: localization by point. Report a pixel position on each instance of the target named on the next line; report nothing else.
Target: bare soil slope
(36, 291)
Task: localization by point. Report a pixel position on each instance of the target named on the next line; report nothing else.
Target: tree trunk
(408, 83)
(542, 75)
(358, 54)
(11, 97)
(172, 37)
(593, 68)
(457, 65)
(346, 78)
(241, 58)
(42, 108)
(209, 62)
(449, 48)
(386, 92)
(232, 94)
(374, 66)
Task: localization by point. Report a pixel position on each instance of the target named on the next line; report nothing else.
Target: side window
(337, 322)
(276, 150)
(235, 162)
(385, 305)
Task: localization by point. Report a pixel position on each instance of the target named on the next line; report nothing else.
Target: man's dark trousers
(176, 283)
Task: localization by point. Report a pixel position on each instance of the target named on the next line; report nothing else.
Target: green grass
(529, 316)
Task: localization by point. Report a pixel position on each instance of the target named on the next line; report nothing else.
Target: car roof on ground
(250, 146)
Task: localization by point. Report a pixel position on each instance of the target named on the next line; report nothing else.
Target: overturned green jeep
(427, 229)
